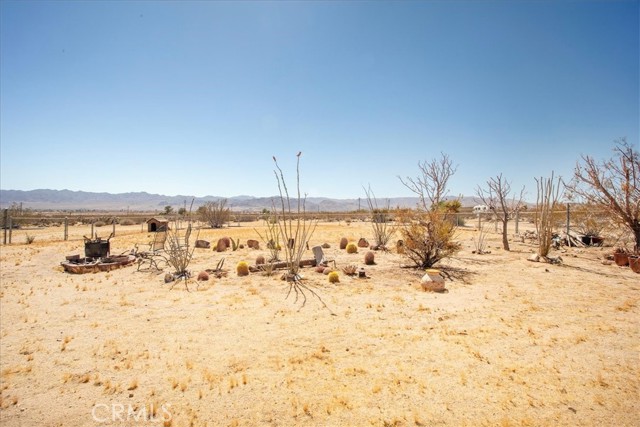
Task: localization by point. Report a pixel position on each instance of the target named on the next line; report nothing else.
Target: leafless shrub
(267, 268)
(214, 213)
(547, 198)
(271, 237)
(179, 251)
(480, 242)
(383, 231)
(296, 229)
(497, 197)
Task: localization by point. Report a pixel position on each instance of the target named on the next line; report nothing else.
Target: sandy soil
(511, 343)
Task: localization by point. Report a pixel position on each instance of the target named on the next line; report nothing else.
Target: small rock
(534, 258)
(203, 244)
(203, 276)
(221, 246)
(168, 278)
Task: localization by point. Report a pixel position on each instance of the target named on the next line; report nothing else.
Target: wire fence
(78, 226)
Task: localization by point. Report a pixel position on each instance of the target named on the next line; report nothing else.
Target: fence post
(66, 228)
(568, 224)
(114, 225)
(10, 228)
(479, 221)
(517, 220)
(5, 223)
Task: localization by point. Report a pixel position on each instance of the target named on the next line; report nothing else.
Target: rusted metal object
(97, 248)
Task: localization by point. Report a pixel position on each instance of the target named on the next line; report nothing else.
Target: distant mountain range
(59, 200)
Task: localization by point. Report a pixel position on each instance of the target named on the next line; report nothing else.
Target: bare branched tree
(214, 213)
(431, 184)
(428, 232)
(548, 194)
(496, 195)
(613, 185)
(382, 229)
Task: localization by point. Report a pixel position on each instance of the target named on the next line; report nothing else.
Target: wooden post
(66, 228)
(479, 221)
(10, 228)
(517, 220)
(114, 226)
(5, 222)
(568, 224)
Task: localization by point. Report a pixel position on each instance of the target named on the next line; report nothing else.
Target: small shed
(157, 224)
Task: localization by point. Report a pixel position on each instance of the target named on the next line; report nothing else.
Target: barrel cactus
(352, 248)
(343, 243)
(242, 268)
(369, 258)
(334, 277)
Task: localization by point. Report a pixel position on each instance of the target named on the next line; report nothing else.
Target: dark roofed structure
(157, 224)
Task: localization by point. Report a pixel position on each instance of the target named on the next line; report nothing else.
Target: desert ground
(512, 342)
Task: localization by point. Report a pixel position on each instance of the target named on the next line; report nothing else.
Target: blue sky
(195, 98)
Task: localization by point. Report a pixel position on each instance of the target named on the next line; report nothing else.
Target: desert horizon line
(448, 197)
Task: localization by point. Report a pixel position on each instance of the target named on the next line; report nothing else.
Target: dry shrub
(380, 220)
(214, 213)
(428, 237)
(179, 251)
(350, 269)
(271, 237)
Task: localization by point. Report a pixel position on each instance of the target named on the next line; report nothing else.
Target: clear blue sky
(195, 98)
